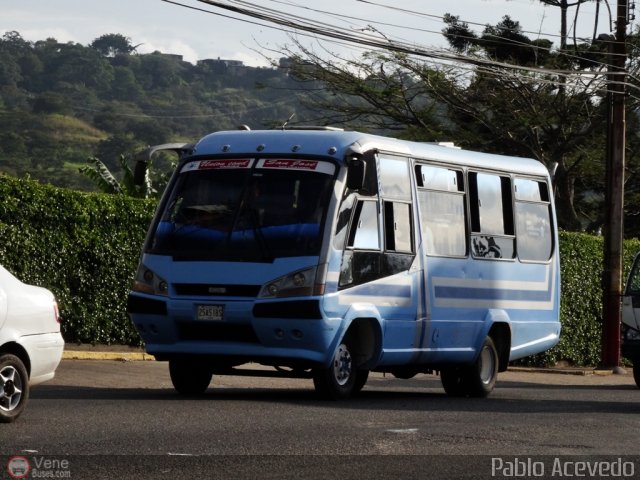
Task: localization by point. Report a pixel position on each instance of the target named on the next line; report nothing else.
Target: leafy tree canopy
(113, 44)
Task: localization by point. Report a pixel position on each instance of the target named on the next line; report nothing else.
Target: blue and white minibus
(328, 254)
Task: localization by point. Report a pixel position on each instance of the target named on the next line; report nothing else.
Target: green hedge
(85, 248)
(581, 263)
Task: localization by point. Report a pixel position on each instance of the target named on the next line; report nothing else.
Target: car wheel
(188, 377)
(14, 387)
(636, 371)
(338, 381)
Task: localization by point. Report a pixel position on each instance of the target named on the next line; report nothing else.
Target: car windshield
(245, 210)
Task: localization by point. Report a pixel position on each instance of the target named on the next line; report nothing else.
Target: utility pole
(614, 200)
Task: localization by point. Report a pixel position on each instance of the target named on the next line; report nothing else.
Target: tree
(497, 107)
(110, 149)
(113, 44)
(564, 6)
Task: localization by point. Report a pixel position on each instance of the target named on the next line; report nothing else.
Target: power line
(362, 38)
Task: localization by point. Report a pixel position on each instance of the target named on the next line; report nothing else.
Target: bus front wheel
(338, 381)
(188, 377)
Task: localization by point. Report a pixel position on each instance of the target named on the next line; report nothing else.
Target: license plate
(210, 312)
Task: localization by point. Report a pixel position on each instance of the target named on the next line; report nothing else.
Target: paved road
(105, 417)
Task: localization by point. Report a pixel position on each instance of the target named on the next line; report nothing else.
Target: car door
(3, 304)
(631, 297)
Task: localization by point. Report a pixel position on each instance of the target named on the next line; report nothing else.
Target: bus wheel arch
(365, 336)
(500, 333)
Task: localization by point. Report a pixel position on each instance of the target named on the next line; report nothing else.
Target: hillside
(61, 103)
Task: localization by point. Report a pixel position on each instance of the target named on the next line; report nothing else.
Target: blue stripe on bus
(492, 294)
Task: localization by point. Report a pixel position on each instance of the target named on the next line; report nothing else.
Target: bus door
(403, 314)
(444, 248)
(378, 268)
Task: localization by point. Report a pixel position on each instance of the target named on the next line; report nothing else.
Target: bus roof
(338, 144)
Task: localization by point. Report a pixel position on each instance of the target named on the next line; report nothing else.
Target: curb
(565, 371)
(117, 356)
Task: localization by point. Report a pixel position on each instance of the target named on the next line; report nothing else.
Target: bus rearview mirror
(140, 172)
(355, 174)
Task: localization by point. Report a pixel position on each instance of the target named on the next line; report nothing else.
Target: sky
(172, 27)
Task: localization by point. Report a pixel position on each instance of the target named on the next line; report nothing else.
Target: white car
(30, 342)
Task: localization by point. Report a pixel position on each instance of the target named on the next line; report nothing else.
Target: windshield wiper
(258, 235)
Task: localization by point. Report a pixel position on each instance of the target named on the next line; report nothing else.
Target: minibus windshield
(252, 210)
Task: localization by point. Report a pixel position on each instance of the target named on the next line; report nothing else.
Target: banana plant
(106, 182)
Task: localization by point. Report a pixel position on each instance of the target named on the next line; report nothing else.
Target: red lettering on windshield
(296, 164)
(212, 164)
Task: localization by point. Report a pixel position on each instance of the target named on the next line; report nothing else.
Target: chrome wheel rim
(342, 365)
(11, 388)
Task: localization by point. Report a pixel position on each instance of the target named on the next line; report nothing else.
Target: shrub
(83, 247)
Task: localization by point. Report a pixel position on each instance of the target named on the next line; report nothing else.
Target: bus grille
(204, 290)
(219, 332)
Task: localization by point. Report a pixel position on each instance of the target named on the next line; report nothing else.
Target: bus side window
(441, 196)
(533, 220)
(364, 229)
(492, 229)
(361, 257)
(397, 227)
(398, 255)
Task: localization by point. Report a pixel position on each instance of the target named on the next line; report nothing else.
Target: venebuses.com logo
(18, 467)
(38, 467)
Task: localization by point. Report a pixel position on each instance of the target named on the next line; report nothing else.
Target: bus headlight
(146, 281)
(308, 282)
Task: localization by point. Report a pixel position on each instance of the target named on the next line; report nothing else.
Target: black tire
(188, 377)
(453, 380)
(14, 387)
(636, 371)
(337, 382)
(475, 380)
(361, 379)
(482, 375)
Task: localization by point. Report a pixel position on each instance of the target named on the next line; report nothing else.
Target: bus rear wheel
(476, 380)
(188, 377)
(483, 373)
(338, 381)
(454, 381)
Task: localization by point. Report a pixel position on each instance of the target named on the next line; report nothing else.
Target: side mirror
(140, 172)
(355, 174)
(143, 158)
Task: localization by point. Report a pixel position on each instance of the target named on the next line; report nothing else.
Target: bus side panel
(394, 301)
(465, 295)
